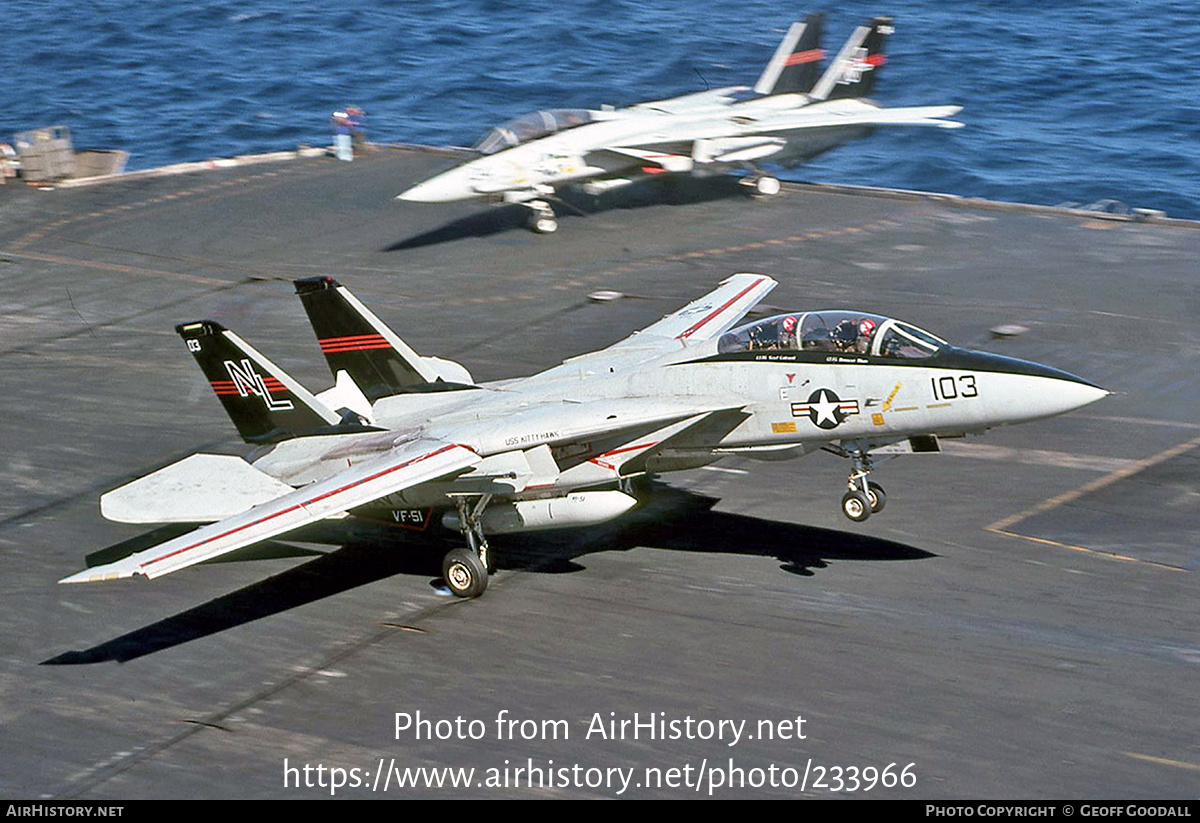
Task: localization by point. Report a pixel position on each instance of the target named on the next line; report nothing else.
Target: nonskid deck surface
(1020, 622)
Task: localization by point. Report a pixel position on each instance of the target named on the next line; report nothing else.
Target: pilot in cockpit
(787, 333)
(854, 335)
(866, 333)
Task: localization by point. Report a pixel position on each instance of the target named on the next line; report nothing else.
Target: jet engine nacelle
(575, 509)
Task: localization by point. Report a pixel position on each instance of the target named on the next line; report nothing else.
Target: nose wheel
(864, 497)
(541, 219)
(876, 497)
(767, 186)
(856, 506)
(762, 185)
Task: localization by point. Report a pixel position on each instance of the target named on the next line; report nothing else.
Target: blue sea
(1063, 101)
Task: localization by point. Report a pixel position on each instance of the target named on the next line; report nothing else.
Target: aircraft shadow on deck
(672, 519)
(573, 202)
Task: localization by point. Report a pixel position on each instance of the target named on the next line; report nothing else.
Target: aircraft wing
(702, 319)
(713, 314)
(408, 465)
(857, 113)
(768, 133)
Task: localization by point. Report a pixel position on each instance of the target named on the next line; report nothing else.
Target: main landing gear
(541, 217)
(464, 573)
(864, 497)
(466, 570)
(762, 185)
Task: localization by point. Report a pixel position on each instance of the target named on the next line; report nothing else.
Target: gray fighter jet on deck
(403, 437)
(790, 115)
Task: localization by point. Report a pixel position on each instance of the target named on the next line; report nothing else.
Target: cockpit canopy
(837, 331)
(531, 127)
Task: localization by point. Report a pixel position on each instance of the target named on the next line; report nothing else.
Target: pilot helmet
(866, 327)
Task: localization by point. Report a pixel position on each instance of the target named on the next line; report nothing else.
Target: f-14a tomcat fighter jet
(790, 115)
(400, 432)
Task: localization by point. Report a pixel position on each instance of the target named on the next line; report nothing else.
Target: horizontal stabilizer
(202, 488)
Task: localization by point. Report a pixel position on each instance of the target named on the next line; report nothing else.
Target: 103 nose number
(946, 388)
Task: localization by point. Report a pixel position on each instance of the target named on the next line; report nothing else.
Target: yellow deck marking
(1004, 525)
(1162, 761)
(1124, 558)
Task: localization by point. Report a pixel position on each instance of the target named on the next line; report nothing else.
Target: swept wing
(711, 315)
(704, 318)
(857, 113)
(410, 464)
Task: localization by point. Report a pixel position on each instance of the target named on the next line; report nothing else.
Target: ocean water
(1063, 101)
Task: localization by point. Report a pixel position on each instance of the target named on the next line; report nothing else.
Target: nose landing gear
(541, 217)
(759, 183)
(864, 497)
(763, 185)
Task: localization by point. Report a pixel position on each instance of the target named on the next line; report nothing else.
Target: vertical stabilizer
(264, 402)
(355, 341)
(855, 69)
(793, 68)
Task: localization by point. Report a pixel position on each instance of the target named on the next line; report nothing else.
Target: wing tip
(746, 274)
(95, 575)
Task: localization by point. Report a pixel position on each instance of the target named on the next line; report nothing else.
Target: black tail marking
(264, 402)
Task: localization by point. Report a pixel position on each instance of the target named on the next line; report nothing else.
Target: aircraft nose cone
(1077, 394)
(431, 191)
(1035, 396)
(1024, 390)
(1046, 395)
(453, 184)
